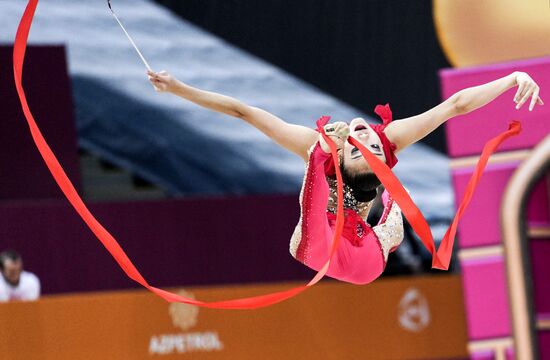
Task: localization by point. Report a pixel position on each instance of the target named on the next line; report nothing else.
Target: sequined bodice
(350, 202)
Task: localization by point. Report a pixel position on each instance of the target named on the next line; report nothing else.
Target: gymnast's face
(352, 159)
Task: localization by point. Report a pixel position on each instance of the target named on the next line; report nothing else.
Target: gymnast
(363, 252)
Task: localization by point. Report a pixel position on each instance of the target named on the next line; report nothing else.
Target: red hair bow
(389, 148)
(384, 112)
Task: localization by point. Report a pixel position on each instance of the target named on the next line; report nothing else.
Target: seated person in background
(16, 284)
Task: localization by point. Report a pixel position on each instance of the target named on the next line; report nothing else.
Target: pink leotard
(363, 251)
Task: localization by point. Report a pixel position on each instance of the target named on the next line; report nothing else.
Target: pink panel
(538, 213)
(483, 355)
(485, 297)
(467, 135)
(480, 224)
(510, 354)
(544, 345)
(540, 257)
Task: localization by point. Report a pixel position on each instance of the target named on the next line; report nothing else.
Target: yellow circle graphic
(475, 32)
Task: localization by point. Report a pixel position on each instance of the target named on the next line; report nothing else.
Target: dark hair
(8, 255)
(364, 185)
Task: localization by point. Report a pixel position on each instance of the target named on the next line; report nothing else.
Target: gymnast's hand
(162, 81)
(527, 88)
(338, 132)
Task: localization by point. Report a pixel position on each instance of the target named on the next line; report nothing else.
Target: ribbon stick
(103, 235)
(129, 37)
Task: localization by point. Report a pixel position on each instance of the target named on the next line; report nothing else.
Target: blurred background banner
(415, 318)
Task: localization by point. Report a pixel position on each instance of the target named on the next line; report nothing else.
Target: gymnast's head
(356, 172)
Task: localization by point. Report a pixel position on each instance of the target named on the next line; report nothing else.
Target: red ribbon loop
(104, 236)
(441, 258)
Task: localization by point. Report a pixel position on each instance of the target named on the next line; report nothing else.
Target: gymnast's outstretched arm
(410, 130)
(295, 138)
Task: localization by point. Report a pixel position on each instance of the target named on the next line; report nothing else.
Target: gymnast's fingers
(158, 85)
(539, 101)
(154, 82)
(519, 93)
(525, 97)
(342, 129)
(534, 99)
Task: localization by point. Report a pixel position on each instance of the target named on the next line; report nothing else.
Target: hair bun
(364, 195)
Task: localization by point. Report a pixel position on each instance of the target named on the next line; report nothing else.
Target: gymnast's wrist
(323, 145)
(338, 142)
(513, 77)
(176, 87)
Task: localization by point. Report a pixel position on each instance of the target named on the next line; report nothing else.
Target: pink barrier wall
(486, 205)
(492, 355)
(485, 297)
(483, 355)
(484, 272)
(467, 134)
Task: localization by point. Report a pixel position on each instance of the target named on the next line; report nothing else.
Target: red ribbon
(442, 257)
(105, 237)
